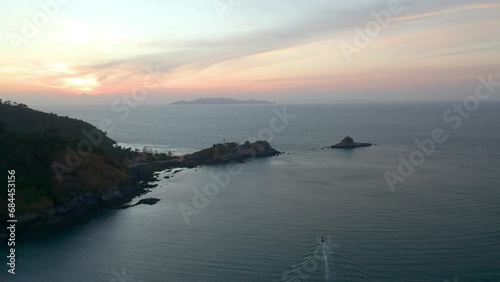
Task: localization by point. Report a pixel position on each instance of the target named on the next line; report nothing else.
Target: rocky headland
(232, 152)
(95, 184)
(216, 155)
(59, 185)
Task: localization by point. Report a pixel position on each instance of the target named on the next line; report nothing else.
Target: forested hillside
(32, 141)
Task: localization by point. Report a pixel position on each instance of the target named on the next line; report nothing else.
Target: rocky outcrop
(232, 152)
(348, 143)
(147, 201)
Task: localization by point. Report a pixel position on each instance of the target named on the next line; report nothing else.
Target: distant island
(351, 101)
(221, 101)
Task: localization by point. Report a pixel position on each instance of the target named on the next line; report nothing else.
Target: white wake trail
(326, 251)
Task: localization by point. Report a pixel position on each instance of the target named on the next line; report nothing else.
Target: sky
(287, 51)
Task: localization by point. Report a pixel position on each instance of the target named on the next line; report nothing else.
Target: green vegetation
(31, 141)
(31, 156)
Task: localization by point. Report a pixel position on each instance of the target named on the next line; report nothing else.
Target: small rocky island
(348, 143)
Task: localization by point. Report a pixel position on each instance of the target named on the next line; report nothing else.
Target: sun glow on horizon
(93, 48)
(81, 84)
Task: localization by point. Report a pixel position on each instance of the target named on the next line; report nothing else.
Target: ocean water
(265, 221)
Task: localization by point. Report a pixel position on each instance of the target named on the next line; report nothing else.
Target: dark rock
(348, 143)
(148, 201)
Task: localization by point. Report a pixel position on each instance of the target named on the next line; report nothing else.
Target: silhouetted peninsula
(57, 192)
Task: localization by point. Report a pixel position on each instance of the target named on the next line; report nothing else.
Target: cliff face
(227, 152)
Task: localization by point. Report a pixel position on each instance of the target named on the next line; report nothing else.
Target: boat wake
(324, 262)
(325, 250)
(336, 266)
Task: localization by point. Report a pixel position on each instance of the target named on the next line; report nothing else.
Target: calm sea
(264, 222)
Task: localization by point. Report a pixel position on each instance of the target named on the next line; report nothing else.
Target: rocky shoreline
(80, 204)
(78, 207)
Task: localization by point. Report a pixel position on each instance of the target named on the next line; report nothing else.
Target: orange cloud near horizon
(83, 60)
